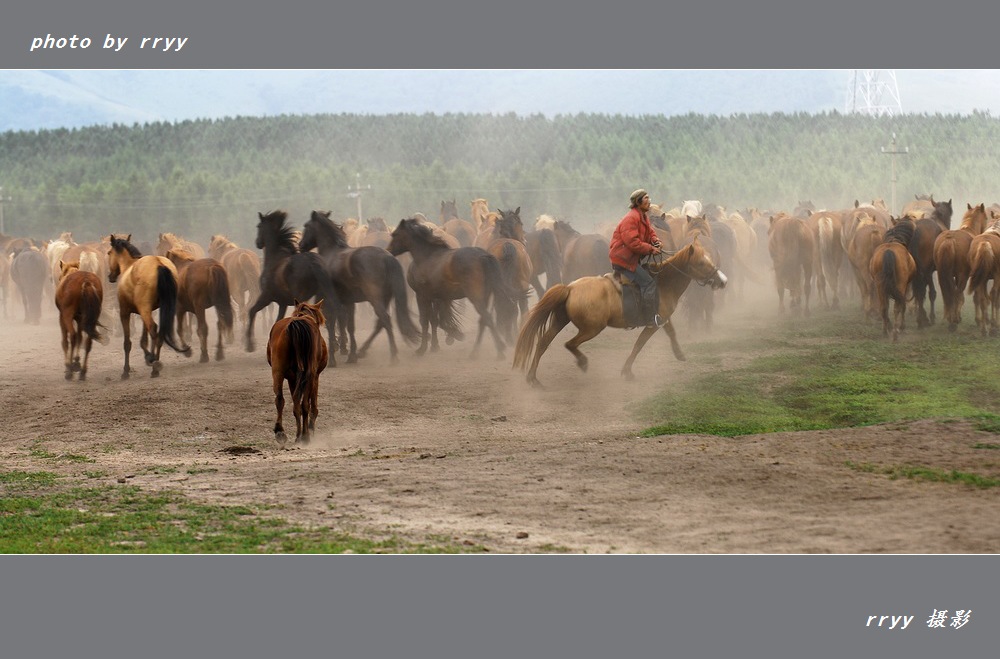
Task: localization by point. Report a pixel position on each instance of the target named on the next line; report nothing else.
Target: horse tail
(537, 322)
(222, 299)
(166, 289)
(301, 343)
(409, 329)
(551, 257)
(887, 278)
(90, 313)
(982, 263)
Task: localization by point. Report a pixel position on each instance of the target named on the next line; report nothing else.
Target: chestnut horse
(439, 275)
(145, 283)
(594, 303)
(928, 228)
(792, 248)
(984, 265)
(867, 236)
(202, 284)
(242, 269)
(297, 352)
(892, 269)
(452, 224)
(583, 254)
(79, 296)
(951, 259)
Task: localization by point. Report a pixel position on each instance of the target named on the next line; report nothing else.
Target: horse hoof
(680, 356)
(149, 358)
(204, 358)
(125, 375)
(352, 359)
(628, 375)
(448, 340)
(83, 375)
(280, 436)
(220, 356)
(69, 374)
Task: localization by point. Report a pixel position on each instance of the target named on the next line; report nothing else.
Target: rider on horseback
(633, 239)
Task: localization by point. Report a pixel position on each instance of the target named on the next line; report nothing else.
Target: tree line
(202, 177)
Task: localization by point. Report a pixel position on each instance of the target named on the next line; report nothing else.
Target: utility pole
(3, 227)
(893, 151)
(355, 193)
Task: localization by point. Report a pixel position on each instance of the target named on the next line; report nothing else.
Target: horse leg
(257, 306)
(150, 338)
(382, 321)
(644, 336)
(486, 321)
(352, 356)
(932, 297)
(331, 333)
(556, 326)
(203, 335)
(435, 317)
(278, 386)
(220, 352)
(87, 343)
(424, 308)
(584, 335)
(126, 340)
(297, 409)
(67, 352)
(76, 340)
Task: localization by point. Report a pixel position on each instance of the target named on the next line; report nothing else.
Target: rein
(656, 262)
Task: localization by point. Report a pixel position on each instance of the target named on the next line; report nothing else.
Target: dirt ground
(445, 448)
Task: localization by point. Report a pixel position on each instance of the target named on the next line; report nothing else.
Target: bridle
(656, 263)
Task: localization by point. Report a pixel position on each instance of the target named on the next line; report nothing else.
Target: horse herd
(493, 264)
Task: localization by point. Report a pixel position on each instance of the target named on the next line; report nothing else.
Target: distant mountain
(31, 99)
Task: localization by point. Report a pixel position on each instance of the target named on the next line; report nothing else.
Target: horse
(376, 234)
(701, 302)
(362, 274)
(242, 269)
(543, 250)
(792, 249)
(297, 352)
(867, 236)
(892, 269)
(594, 303)
(145, 283)
(928, 228)
(984, 265)
(288, 274)
(79, 296)
(507, 246)
(453, 225)
(583, 255)
(169, 241)
(203, 283)
(439, 275)
(30, 271)
(829, 254)
(951, 259)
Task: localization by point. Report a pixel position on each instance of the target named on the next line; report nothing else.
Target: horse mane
(179, 254)
(901, 232)
(125, 244)
(563, 225)
(545, 222)
(994, 227)
(322, 218)
(424, 233)
(285, 235)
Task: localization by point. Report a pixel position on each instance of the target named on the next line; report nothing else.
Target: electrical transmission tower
(873, 92)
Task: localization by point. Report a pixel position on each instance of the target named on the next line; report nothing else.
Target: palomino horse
(951, 259)
(829, 254)
(145, 283)
(288, 274)
(792, 248)
(439, 275)
(583, 255)
(928, 228)
(297, 352)
(30, 271)
(79, 296)
(242, 269)
(984, 265)
(202, 284)
(593, 303)
(453, 225)
(892, 269)
(361, 274)
(507, 246)
(169, 241)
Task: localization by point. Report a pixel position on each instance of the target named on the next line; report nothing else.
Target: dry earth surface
(446, 448)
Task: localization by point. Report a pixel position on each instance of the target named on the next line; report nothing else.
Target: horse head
(449, 210)
(273, 232)
(121, 249)
(509, 224)
(694, 262)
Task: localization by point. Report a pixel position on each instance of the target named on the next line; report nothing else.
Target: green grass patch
(986, 445)
(23, 480)
(928, 474)
(124, 519)
(833, 373)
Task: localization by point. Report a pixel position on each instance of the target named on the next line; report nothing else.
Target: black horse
(361, 274)
(288, 275)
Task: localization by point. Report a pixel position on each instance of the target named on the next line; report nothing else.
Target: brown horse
(288, 274)
(242, 269)
(453, 225)
(202, 284)
(507, 246)
(700, 302)
(594, 303)
(928, 228)
(169, 241)
(951, 259)
(440, 275)
(829, 255)
(984, 265)
(543, 250)
(145, 283)
(583, 255)
(79, 296)
(867, 236)
(361, 274)
(792, 248)
(892, 269)
(297, 352)
(30, 271)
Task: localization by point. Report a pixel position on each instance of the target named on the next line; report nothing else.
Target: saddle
(631, 300)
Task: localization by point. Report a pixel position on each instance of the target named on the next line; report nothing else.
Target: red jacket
(633, 238)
